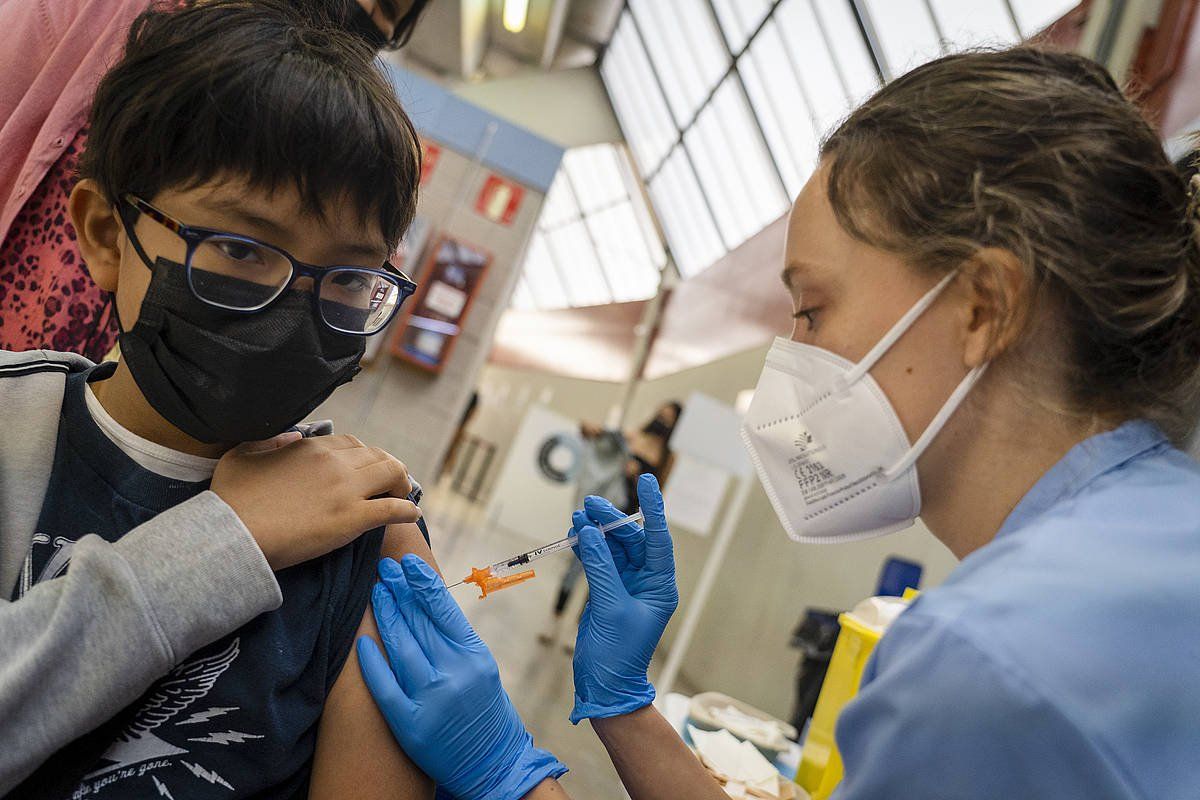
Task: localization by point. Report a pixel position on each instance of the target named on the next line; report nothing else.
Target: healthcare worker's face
(846, 295)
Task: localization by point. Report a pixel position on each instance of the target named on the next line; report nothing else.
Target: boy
(235, 157)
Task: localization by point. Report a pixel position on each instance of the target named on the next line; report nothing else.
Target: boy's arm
(78, 649)
(357, 756)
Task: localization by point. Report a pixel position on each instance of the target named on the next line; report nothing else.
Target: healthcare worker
(996, 279)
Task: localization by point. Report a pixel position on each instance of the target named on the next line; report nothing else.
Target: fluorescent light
(515, 13)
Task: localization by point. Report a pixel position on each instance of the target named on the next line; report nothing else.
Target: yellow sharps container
(820, 763)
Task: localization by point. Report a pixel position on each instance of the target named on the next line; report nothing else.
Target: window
(636, 98)
(685, 48)
(734, 166)
(624, 253)
(969, 23)
(779, 98)
(522, 297)
(724, 102)
(595, 175)
(832, 84)
(574, 254)
(1034, 16)
(685, 216)
(843, 38)
(594, 242)
(906, 32)
(740, 18)
(541, 277)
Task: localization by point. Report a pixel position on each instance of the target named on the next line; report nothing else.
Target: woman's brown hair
(1039, 153)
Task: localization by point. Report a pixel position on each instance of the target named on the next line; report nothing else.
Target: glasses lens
(237, 273)
(356, 301)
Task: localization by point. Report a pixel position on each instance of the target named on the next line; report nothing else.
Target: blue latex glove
(633, 594)
(442, 695)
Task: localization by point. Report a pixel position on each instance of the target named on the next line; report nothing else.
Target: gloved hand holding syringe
(504, 573)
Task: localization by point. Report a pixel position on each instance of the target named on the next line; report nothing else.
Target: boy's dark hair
(248, 88)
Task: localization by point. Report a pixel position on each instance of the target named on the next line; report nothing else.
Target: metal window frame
(627, 171)
(870, 39)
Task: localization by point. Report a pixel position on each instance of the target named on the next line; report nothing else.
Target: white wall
(569, 107)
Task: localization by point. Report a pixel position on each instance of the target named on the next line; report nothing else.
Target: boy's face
(199, 379)
(342, 237)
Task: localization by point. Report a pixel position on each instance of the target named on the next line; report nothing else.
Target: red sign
(499, 200)
(430, 153)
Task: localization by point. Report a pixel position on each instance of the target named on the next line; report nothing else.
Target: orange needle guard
(488, 585)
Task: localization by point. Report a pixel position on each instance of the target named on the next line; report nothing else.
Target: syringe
(501, 575)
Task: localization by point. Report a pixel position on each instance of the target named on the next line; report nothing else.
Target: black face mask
(362, 26)
(221, 376)
(656, 427)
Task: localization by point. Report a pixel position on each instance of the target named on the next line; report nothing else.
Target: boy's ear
(98, 231)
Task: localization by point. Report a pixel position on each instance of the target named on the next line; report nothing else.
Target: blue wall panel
(442, 116)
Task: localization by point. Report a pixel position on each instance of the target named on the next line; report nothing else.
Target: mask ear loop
(937, 423)
(103, 316)
(901, 327)
(952, 402)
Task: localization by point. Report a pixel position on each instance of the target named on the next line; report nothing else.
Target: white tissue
(737, 761)
(766, 732)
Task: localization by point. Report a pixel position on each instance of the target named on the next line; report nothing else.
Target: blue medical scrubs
(1060, 661)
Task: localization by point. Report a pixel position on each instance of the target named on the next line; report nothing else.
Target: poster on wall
(499, 200)
(451, 277)
(430, 153)
(695, 494)
(408, 258)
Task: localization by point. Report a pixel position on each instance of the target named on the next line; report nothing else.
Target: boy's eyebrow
(366, 250)
(276, 230)
(231, 206)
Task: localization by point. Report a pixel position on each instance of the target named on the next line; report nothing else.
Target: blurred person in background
(649, 453)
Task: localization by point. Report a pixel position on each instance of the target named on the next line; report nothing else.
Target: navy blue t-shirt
(236, 719)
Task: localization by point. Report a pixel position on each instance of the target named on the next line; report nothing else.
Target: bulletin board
(450, 279)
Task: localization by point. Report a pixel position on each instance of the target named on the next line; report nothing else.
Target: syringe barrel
(519, 561)
(636, 516)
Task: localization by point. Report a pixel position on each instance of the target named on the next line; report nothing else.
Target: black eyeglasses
(242, 274)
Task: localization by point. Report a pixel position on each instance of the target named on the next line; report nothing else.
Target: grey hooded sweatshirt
(76, 650)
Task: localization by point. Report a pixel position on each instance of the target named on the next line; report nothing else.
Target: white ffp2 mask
(828, 446)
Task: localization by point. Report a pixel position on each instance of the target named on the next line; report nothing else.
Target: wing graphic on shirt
(171, 696)
(183, 686)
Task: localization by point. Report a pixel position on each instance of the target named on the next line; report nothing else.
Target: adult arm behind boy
(76, 650)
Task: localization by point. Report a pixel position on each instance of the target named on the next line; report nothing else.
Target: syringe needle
(451, 586)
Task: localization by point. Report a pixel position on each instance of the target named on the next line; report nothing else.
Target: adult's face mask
(221, 376)
(827, 445)
(362, 26)
(656, 427)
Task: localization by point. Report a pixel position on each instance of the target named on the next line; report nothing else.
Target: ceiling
(466, 40)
